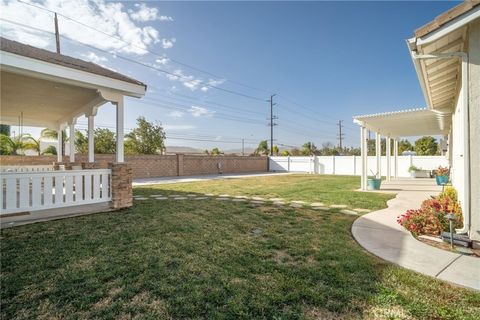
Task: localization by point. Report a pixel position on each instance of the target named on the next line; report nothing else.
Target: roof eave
(20, 64)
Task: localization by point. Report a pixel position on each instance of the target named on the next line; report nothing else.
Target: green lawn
(209, 259)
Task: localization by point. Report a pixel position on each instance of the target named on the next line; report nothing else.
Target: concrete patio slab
(379, 233)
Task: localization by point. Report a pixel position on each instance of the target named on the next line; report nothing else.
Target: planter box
(420, 174)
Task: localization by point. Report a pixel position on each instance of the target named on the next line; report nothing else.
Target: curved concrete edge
(379, 233)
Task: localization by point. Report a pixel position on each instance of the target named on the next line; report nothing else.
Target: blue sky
(327, 61)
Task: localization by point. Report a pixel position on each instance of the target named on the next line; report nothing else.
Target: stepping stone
(350, 212)
(180, 198)
(278, 203)
(298, 202)
(161, 198)
(222, 199)
(200, 198)
(239, 200)
(321, 208)
(224, 196)
(277, 199)
(156, 195)
(241, 197)
(258, 199)
(317, 204)
(141, 198)
(362, 210)
(257, 202)
(257, 232)
(175, 195)
(296, 205)
(339, 206)
(209, 194)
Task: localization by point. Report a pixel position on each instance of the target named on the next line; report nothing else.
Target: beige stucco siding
(474, 104)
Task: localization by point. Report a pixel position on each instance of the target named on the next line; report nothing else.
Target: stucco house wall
(474, 105)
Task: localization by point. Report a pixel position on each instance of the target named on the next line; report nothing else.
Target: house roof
(446, 17)
(62, 60)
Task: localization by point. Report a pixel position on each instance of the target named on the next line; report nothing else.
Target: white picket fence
(30, 191)
(352, 165)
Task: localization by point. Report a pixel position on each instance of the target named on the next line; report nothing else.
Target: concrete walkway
(176, 179)
(379, 233)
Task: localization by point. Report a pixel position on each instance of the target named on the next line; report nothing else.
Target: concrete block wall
(145, 166)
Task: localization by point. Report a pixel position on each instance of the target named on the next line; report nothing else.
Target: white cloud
(175, 114)
(178, 127)
(108, 17)
(144, 14)
(212, 82)
(167, 44)
(193, 83)
(200, 112)
(162, 61)
(93, 57)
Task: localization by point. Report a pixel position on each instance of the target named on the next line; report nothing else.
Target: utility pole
(272, 118)
(340, 134)
(57, 34)
(243, 147)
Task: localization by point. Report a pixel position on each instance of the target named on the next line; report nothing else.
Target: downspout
(466, 127)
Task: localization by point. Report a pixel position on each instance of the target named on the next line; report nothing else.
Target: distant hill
(180, 149)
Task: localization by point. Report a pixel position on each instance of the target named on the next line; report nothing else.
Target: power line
(162, 56)
(142, 48)
(202, 83)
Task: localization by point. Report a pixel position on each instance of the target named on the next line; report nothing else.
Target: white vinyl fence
(352, 165)
(30, 191)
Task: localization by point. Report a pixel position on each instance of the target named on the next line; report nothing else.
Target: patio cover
(412, 122)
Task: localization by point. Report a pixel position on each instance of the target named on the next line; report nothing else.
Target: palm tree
(309, 149)
(11, 146)
(30, 143)
(53, 134)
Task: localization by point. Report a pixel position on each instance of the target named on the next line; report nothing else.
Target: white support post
(389, 153)
(378, 152)
(91, 141)
(119, 154)
(71, 127)
(395, 156)
(59, 145)
(364, 154)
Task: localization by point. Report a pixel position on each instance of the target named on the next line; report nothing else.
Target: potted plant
(442, 175)
(374, 182)
(412, 170)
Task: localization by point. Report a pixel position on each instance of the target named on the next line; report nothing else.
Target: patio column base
(122, 195)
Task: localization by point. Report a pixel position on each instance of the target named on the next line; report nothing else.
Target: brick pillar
(179, 164)
(121, 185)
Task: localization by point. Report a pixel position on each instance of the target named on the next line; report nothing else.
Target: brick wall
(145, 166)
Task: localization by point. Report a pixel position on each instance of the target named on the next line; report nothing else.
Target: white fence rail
(30, 191)
(352, 165)
(33, 168)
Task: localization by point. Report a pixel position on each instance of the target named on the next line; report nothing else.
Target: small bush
(431, 217)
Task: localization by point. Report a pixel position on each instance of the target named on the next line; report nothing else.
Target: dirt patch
(314, 313)
(282, 257)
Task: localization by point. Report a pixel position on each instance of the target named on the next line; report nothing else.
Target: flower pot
(374, 184)
(441, 180)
